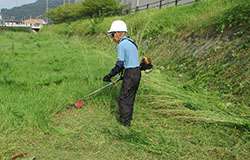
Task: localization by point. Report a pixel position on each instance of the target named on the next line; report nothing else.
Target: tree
(104, 7)
(68, 12)
(86, 9)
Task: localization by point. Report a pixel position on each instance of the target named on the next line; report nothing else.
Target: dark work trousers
(130, 84)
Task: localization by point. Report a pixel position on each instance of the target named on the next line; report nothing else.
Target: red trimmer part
(79, 104)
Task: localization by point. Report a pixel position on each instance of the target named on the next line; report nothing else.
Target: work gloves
(107, 78)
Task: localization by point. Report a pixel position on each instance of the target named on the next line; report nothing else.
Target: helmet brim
(111, 32)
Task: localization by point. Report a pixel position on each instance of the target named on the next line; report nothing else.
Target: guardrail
(160, 4)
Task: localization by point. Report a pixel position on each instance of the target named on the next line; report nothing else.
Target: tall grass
(161, 22)
(41, 74)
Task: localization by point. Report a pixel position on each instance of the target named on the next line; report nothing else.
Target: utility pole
(137, 3)
(47, 9)
(63, 2)
(47, 5)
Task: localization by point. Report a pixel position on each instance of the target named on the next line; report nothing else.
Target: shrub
(101, 8)
(15, 29)
(68, 12)
(236, 17)
(86, 9)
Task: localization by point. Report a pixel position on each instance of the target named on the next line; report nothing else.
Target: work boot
(126, 123)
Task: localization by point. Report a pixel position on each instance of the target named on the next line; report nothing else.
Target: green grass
(155, 23)
(184, 109)
(41, 70)
(207, 41)
(173, 118)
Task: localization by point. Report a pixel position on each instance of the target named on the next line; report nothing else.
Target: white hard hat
(118, 26)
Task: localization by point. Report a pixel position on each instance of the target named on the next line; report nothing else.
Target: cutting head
(79, 104)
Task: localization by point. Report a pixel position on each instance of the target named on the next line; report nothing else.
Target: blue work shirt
(127, 52)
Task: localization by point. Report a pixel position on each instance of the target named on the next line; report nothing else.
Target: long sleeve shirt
(127, 56)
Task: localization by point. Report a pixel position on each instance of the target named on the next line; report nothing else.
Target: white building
(11, 23)
(34, 23)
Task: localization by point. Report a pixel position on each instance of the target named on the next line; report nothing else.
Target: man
(128, 59)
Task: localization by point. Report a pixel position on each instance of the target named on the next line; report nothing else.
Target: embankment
(206, 43)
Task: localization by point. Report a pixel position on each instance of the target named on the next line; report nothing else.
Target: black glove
(107, 78)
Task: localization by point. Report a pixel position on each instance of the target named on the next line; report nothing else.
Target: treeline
(86, 9)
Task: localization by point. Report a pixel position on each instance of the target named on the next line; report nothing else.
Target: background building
(34, 22)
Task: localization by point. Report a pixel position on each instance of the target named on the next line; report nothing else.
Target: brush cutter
(79, 103)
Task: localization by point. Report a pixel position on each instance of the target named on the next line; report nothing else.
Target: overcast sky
(14, 3)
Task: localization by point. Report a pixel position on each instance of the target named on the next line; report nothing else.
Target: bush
(15, 29)
(86, 9)
(101, 8)
(236, 17)
(66, 13)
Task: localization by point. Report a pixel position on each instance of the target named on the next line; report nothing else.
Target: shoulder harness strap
(129, 41)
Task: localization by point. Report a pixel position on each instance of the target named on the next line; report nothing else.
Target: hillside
(33, 10)
(194, 105)
(207, 42)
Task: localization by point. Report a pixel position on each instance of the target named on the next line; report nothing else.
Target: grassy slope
(207, 41)
(174, 118)
(164, 127)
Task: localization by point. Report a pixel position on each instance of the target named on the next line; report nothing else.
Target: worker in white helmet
(128, 59)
